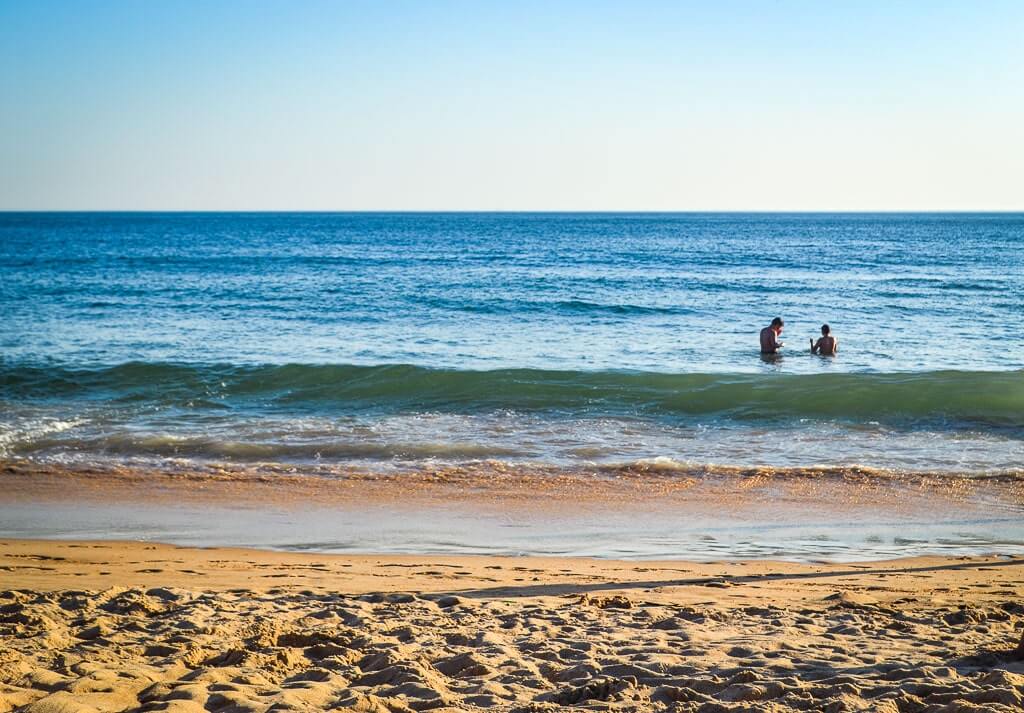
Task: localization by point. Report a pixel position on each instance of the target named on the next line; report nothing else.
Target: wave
(127, 444)
(986, 399)
(567, 307)
(484, 473)
(944, 283)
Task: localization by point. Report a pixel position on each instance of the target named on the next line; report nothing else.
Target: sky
(549, 105)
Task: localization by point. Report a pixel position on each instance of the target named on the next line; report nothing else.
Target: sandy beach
(121, 626)
(657, 357)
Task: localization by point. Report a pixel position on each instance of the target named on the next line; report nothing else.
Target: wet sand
(636, 512)
(117, 626)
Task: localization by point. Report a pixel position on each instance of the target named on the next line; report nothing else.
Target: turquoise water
(404, 340)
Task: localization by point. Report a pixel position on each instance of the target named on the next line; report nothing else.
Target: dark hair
(777, 322)
(825, 329)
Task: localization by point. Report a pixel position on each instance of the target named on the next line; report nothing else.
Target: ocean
(577, 342)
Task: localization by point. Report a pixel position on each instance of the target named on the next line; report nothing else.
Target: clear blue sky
(512, 106)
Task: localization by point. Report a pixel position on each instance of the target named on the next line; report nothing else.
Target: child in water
(827, 345)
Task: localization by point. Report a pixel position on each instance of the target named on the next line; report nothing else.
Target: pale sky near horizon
(511, 105)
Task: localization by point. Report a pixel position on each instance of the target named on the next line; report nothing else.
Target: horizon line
(473, 211)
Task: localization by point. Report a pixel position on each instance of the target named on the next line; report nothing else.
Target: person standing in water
(770, 343)
(827, 345)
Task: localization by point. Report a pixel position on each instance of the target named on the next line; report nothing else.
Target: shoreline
(110, 626)
(490, 508)
(494, 509)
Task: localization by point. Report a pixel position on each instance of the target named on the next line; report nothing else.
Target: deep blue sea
(403, 340)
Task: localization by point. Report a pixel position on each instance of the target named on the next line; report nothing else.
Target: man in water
(770, 343)
(827, 345)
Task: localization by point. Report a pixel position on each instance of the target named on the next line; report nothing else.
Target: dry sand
(109, 626)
